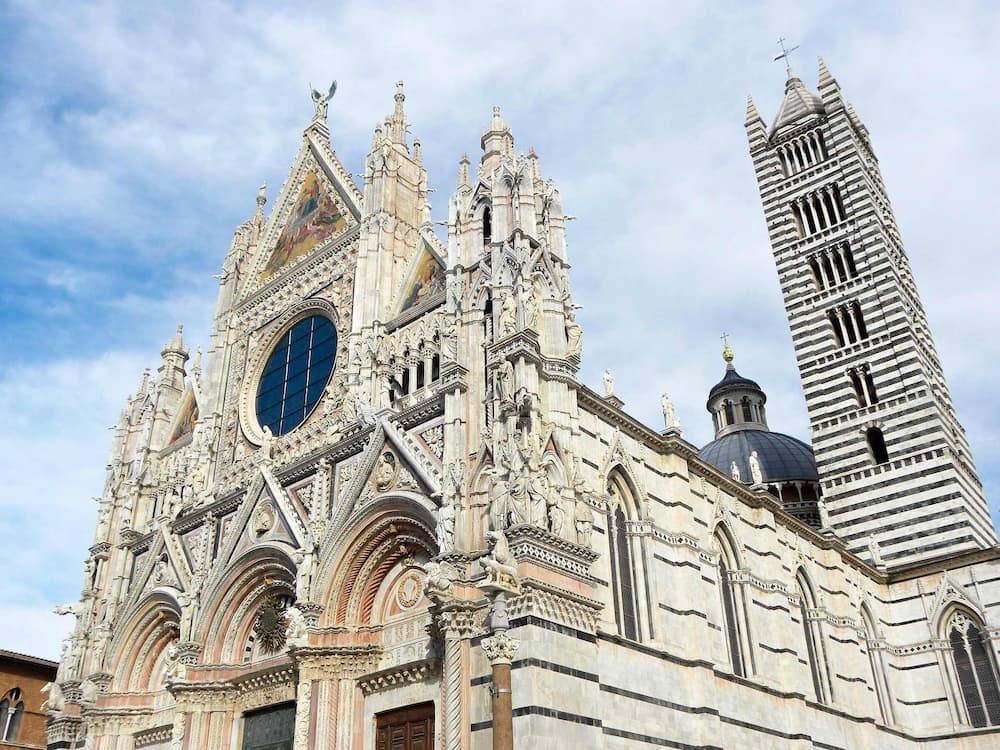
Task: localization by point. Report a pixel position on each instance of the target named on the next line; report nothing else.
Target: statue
(54, 700)
(505, 381)
(670, 421)
(437, 584)
(555, 512)
(385, 472)
(499, 494)
(755, 472)
(875, 553)
(532, 310)
(574, 336)
(267, 444)
(446, 527)
(609, 383)
(68, 609)
(296, 633)
(507, 322)
(499, 563)
(734, 470)
(303, 577)
(583, 519)
(321, 101)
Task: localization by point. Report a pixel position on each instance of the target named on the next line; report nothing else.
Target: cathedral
(382, 512)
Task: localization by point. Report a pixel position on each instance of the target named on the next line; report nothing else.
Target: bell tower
(893, 459)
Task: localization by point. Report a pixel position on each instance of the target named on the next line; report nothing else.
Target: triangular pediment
(184, 421)
(318, 204)
(424, 280)
(392, 463)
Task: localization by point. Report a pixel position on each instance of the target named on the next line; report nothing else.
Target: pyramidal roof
(798, 104)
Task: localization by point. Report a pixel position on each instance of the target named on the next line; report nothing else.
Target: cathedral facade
(382, 511)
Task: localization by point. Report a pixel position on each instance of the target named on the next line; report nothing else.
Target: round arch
(136, 654)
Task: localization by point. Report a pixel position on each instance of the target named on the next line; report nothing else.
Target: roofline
(28, 659)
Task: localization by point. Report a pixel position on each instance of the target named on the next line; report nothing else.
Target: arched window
(487, 225)
(11, 711)
(730, 413)
(813, 635)
(747, 413)
(876, 444)
(975, 670)
(622, 567)
(733, 611)
(877, 668)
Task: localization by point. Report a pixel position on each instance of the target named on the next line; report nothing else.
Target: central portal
(270, 728)
(410, 728)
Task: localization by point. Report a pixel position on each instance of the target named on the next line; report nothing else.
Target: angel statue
(320, 101)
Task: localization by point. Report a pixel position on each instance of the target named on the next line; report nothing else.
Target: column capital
(500, 648)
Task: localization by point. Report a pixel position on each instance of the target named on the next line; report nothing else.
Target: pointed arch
(393, 536)
(230, 609)
(875, 662)
(812, 632)
(736, 620)
(136, 655)
(972, 667)
(622, 508)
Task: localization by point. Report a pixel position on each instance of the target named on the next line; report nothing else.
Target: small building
(22, 720)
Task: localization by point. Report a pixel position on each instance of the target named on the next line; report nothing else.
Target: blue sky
(134, 138)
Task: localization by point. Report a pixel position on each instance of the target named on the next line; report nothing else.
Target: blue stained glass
(296, 374)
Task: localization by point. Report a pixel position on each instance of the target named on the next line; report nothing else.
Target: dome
(782, 457)
(798, 104)
(731, 381)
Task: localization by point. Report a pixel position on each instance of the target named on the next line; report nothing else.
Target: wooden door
(410, 728)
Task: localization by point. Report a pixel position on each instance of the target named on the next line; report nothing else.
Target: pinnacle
(752, 113)
(825, 76)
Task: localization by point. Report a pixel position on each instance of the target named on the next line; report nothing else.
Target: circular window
(296, 374)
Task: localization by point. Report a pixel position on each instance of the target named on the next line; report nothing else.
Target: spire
(258, 215)
(497, 141)
(799, 104)
(829, 89)
(756, 132)
(397, 123)
(176, 344)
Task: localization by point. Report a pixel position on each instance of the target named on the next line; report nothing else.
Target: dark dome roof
(732, 380)
(782, 457)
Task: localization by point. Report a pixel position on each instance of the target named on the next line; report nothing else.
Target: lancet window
(733, 609)
(623, 572)
(975, 670)
(877, 446)
(833, 265)
(802, 152)
(818, 210)
(864, 385)
(875, 662)
(813, 636)
(11, 712)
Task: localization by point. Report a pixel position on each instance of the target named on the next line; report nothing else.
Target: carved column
(455, 624)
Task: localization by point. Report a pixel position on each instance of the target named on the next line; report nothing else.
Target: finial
(262, 195)
(785, 55)
(418, 151)
(400, 96)
(727, 350)
(463, 171)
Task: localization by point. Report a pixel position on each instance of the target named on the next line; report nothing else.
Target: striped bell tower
(897, 475)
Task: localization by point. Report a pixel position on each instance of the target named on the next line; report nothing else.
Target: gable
(187, 417)
(425, 280)
(315, 217)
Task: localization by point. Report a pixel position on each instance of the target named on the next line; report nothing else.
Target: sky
(134, 136)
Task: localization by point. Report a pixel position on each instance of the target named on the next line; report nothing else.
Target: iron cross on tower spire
(785, 53)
